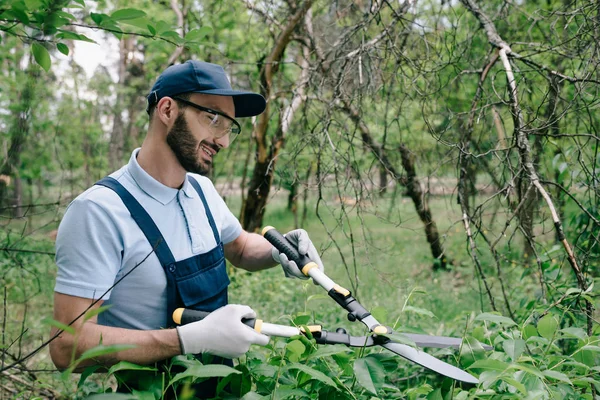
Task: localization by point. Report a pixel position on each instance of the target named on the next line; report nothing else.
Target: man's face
(190, 138)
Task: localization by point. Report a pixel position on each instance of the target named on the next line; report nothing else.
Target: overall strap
(211, 220)
(143, 220)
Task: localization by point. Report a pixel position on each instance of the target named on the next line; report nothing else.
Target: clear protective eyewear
(220, 124)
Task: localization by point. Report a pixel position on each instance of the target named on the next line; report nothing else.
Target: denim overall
(199, 282)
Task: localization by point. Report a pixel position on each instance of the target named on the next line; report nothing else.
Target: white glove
(222, 333)
(300, 240)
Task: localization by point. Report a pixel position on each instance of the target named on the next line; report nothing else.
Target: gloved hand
(222, 333)
(300, 240)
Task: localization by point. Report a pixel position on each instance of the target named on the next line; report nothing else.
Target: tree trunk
(18, 137)
(305, 195)
(293, 202)
(117, 135)
(419, 199)
(383, 180)
(258, 191)
(18, 196)
(253, 209)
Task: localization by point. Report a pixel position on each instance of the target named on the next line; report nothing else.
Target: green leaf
(471, 351)
(127, 13)
(254, 396)
(528, 368)
(518, 385)
(547, 326)
(490, 364)
(496, 318)
(514, 348)
(59, 325)
(161, 26)
(559, 376)
(529, 331)
(184, 361)
(400, 338)
(205, 371)
(73, 36)
(101, 350)
(33, 4)
(138, 22)
(290, 393)
(294, 350)
(435, 395)
(80, 2)
(95, 311)
(420, 311)
(129, 366)
(151, 29)
(313, 373)
(301, 319)
(86, 373)
(370, 373)
(20, 15)
(591, 348)
(172, 35)
(574, 332)
(198, 34)
(112, 396)
(324, 351)
(65, 15)
(98, 18)
(41, 55)
(63, 48)
(144, 395)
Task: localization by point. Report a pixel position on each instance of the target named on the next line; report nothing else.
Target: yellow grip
(341, 290)
(258, 325)
(266, 229)
(380, 329)
(311, 328)
(308, 267)
(177, 315)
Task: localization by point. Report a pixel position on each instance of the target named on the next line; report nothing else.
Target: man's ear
(167, 111)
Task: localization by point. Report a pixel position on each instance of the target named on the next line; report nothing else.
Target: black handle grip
(284, 246)
(183, 316)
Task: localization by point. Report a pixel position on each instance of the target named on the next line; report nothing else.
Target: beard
(185, 147)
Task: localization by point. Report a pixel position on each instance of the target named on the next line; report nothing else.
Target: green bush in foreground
(543, 358)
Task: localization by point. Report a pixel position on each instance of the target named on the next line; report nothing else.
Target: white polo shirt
(98, 242)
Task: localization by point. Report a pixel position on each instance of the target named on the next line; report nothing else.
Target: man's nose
(223, 141)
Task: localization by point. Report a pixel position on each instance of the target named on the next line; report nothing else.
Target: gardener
(154, 235)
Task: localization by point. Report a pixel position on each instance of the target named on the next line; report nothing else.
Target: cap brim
(247, 104)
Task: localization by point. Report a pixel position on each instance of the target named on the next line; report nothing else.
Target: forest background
(442, 155)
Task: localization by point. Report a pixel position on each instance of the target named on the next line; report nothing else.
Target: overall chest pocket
(203, 287)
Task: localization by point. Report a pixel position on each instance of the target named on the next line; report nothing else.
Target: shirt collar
(153, 188)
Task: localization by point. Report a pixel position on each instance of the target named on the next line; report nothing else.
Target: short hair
(184, 96)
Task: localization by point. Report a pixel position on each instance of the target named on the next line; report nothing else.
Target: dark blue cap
(202, 77)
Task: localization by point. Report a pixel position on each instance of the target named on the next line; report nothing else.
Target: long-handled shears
(355, 310)
(183, 316)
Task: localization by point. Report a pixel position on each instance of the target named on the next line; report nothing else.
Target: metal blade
(430, 362)
(439, 342)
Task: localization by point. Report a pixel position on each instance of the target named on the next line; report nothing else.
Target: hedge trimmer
(380, 335)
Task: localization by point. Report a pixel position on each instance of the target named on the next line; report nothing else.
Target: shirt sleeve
(88, 251)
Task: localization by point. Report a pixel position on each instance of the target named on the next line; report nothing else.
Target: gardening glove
(221, 333)
(300, 240)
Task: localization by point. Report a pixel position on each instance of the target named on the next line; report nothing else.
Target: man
(153, 235)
